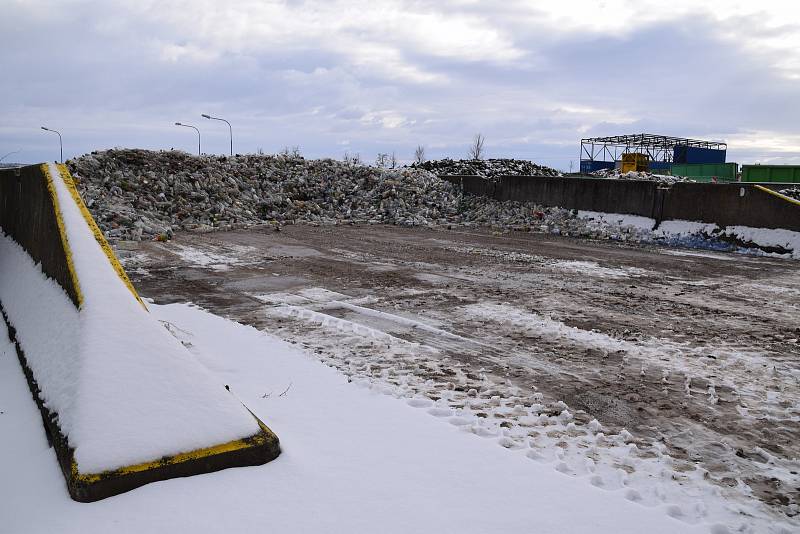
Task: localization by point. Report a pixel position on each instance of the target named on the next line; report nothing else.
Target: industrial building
(647, 152)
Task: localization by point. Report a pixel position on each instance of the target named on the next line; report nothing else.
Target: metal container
(771, 173)
(660, 167)
(633, 161)
(693, 154)
(589, 166)
(707, 172)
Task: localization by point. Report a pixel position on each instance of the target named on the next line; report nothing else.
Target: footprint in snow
(536, 455)
(597, 481)
(562, 467)
(633, 495)
(483, 432)
(459, 421)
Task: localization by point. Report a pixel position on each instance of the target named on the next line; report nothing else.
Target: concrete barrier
(738, 204)
(591, 194)
(28, 216)
(32, 215)
(730, 205)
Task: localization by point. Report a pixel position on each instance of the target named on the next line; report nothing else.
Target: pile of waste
(139, 194)
(792, 192)
(135, 194)
(487, 168)
(615, 174)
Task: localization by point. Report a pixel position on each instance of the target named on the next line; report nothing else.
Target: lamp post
(14, 152)
(60, 144)
(196, 130)
(230, 130)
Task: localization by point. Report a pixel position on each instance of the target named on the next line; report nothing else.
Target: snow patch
(621, 220)
(767, 237)
(214, 260)
(592, 268)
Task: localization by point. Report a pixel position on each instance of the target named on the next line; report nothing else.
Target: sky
(351, 77)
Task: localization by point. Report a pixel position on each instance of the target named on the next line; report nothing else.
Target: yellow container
(633, 161)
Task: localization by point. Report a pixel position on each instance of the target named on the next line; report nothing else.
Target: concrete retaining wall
(730, 205)
(739, 204)
(27, 215)
(593, 194)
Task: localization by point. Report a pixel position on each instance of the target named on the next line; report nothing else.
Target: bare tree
(393, 161)
(419, 154)
(352, 160)
(476, 148)
(382, 161)
(293, 152)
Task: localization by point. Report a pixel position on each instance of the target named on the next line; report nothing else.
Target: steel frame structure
(657, 147)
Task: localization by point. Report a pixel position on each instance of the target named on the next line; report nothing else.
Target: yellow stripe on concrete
(62, 232)
(98, 234)
(775, 193)
(259, 439)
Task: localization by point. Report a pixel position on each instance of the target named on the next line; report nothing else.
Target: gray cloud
(382, 80)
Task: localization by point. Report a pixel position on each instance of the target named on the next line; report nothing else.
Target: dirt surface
(690, 355)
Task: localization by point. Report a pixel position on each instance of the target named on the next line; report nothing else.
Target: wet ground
(623, 363)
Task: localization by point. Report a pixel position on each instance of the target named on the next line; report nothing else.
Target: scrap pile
(488, 168)
(793, 192)
(139, 193)
(615, 174)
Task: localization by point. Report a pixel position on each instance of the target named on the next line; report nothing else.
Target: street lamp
(14, 152)
(60, 144)
(230, 130)
(196, 130)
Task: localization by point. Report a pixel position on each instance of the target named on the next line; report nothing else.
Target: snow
(125, 390)
(618, 219)
(544, 326)
(721, 257)
(37, 305)
(681, 228)
(767, 237)
(354, 460)
(592, 268)
(651, 476)
(697, 234)
(216, 261)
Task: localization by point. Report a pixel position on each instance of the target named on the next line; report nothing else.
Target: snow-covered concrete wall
(123, 401)
(27, 215)
(722, 204)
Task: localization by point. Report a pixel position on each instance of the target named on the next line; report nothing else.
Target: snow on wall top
(125, 390)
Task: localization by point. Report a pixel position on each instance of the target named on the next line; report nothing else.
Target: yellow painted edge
(258, 439)
(62, 232)
(775, 193)
(98, 234)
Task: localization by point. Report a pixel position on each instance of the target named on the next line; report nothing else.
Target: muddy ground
(696, 354)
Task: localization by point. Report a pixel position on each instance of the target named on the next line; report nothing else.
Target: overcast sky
(381, 76)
